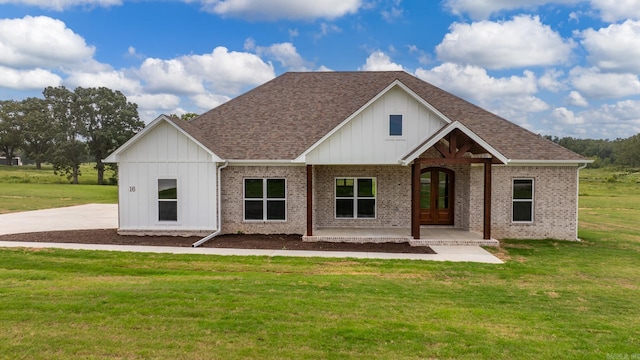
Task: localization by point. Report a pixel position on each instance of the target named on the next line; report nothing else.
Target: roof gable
(180, 126)
(363, 138)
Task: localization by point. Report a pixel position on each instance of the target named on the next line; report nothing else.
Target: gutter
(578, 194)
(219, 210)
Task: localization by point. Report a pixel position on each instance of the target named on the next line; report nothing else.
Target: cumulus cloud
(594, 84)
(482, 9)
(614, 48)
(614, 10)
(551, 80)
(169, 76)
(566, 116)
(209, 101)
(379, 61)
(155, 101)
(115, 80)
(576, 99)
(473, 82)
(282, 9)
(286, 54)
(40, 42)
(326, 29)
(500, 45)
(27, 79)
(59, 5)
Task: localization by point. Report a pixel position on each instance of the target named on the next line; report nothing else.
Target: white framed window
(396, 125)
(168, 199)
(522, 201)
(355, 198)
(265, 199)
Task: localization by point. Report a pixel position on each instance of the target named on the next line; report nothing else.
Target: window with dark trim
(395, 125)
(265, 199)
(167, 200)
(356, 198)
(522, 209)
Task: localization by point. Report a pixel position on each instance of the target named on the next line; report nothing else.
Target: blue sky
(563, 67)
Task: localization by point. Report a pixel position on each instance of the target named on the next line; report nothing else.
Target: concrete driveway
(81, 217)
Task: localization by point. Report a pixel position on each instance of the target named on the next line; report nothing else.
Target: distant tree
(109, 122)
(69, 149)
(186, 116)
(628, 151)
(37, 130)
(10, 128)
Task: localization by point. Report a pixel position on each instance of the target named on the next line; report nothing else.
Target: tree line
(618, 152)
(65, 128)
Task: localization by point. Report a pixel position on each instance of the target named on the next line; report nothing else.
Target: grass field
(25, 188)
(550, 300)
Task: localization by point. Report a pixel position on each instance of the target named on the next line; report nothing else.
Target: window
(395, 125)
(356, 198)
(522, 200)
(167, 200)
(264, 199)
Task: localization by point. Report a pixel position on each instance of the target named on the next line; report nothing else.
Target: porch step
(454, 242)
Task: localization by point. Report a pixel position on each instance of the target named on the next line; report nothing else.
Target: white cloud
(500, 45)
(40, 42)
(59, 5)
(566, 116)
(614, 48)
(115, 80)
(614, 10)
(209, 101)
(27, 79)
(286, 54)
(169, 76)
(482, 9)
(155, 101)
(550, 80)
(326, 29)
(228, 72)
(473, 82)
(282, 9)
(576, 99)
(596, 85)
(379, 61)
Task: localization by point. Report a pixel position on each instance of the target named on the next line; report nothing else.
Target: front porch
(429, 236)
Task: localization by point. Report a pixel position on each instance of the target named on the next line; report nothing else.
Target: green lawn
(550, 300)
(24, 188)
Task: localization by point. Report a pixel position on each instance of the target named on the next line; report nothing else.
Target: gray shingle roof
(282, 118)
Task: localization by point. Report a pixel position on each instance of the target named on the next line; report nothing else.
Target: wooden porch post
(487, 200)
(415, 200)
(309, 200)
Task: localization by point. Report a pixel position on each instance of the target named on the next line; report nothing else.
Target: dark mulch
(239, 241)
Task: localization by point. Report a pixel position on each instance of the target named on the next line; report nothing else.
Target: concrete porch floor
(429, 236)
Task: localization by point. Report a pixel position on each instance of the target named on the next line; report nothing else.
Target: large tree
(69, 149)
(38, 135)
(109, 122)
(10, 128)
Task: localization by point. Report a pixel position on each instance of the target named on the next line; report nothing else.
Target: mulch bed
(238, 241)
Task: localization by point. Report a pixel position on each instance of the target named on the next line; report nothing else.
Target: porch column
(487, 199)
(415, 200)
(309, 200)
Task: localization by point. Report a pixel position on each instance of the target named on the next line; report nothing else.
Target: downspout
(219, 210)
(578, 196)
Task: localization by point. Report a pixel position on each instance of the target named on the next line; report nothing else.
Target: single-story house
(314, 152)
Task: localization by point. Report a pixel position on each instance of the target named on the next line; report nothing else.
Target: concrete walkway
(105, 216)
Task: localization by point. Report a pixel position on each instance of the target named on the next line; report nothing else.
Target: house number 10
(132, 189)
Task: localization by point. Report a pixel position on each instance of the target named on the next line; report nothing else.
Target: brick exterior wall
(555, 202)
(393, 195)
(232, 183)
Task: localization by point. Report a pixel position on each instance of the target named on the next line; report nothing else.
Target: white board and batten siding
(365, 138)
(166, 153)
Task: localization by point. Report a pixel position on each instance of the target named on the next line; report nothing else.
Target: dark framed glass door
(436, 196)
